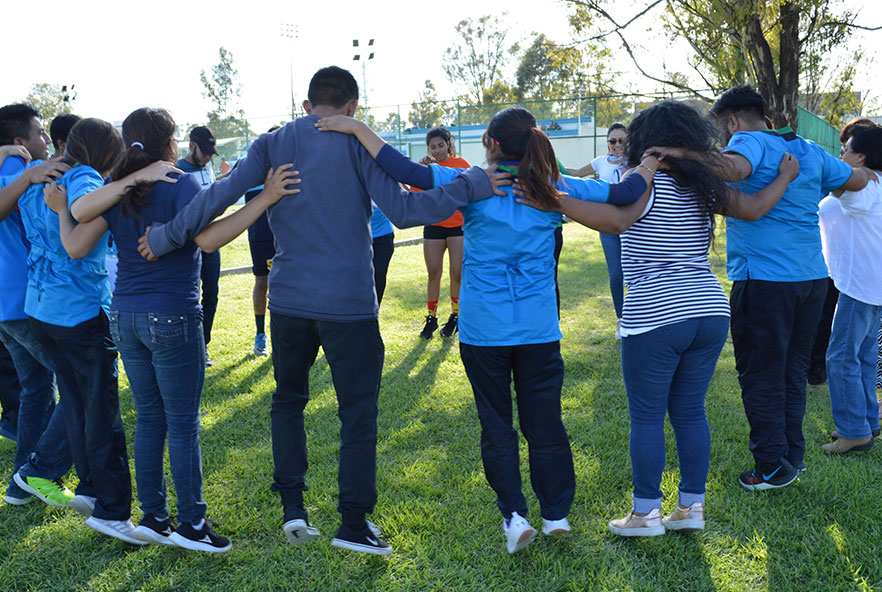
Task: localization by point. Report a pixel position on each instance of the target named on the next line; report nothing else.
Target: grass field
(821, 534)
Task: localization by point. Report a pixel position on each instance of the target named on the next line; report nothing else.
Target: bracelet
(643, 166)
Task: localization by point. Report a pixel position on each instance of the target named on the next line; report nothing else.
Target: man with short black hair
(58, 131)
(203, 147)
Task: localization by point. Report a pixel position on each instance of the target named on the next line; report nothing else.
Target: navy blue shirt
(260, 230)
(167, 286)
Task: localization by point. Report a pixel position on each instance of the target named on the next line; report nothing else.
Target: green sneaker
(51, 492)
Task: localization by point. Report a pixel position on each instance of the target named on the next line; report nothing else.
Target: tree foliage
(767, 44)
(227, 118)
(50, 100)
(478, 58)
(427, 111)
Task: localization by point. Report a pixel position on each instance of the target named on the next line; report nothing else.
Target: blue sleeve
(748, 145)
(626, 192)
(585, 189)
(403, 169)
(212, 201)
(443, 174)
(834, 172)
(187, 187)
(86, 180)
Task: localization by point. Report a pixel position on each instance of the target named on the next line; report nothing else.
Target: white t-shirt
(606, 170)
(851, 237)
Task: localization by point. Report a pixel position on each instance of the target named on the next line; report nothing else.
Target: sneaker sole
(98, 527)
(18, 501)
(685, 525)
(297, 534)
(526, 538)
(765, 485)
(24, 485)
(185, 543)
(359, 548)
(643, 531)
(148, 535)
(556, 531)
(82, 508)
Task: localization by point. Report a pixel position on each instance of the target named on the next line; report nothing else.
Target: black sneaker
(366, 540)
(203, 539)
(151, 530)
(769, 476)
(450, 327)
(431, 325)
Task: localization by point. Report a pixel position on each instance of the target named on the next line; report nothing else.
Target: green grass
(438, 513)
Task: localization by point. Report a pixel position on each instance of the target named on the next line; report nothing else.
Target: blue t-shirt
(507, 296)
(63, 291)
(380, 225)
(785, 244)
(13, 251)
(260, 230)
(167, 286)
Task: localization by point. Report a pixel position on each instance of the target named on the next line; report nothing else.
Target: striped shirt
(664, 260)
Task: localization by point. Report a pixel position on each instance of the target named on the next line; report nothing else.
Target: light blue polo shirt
(13, 251)
(63, 291)
(785, 244)
(507, 295)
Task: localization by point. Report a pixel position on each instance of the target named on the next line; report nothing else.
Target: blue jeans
(164, 358)
(670, 368)
(851, 367)
(42, 439)
(612, 252)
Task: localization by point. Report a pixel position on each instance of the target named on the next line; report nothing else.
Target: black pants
(825, 326)
(211, 267)
(354, 351)
(9, 388)
(84, 358)
(384, 246)
(538, 379)
(558, 247)
(773, 327)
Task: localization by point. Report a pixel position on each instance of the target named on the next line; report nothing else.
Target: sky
(121, 56)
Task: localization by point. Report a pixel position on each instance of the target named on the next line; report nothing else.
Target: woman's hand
(14, 150)
(789, 166)
(664, 151)
(278, 182)
(339, 123)
(426, 160)
(157, 171)
(498, 180)
(55, 196)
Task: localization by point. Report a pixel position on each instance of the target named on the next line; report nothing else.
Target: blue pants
(612, 252)
(164, 358)
(211, 267)
(669, 369)
(354, 351)
(42, 439)
(538, 378)
(851, 367)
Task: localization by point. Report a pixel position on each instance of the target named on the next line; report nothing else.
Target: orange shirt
(454, 162)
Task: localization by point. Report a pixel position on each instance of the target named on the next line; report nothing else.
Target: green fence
(812, 127)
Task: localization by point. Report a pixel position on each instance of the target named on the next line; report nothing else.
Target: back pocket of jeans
(167, 330)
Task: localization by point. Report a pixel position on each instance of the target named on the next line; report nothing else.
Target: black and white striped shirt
(664, 260)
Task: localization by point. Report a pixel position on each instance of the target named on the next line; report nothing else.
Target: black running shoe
(769, 476)
(203, 539)
(366, 540)
(450, 327)
(151, 530)
(431, 325)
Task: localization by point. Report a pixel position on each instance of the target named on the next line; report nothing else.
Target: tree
(427, 111)
(51, 100)
(478, 58)
(734, 41)
(227, 118)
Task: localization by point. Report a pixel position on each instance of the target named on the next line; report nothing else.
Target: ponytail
(146, 133)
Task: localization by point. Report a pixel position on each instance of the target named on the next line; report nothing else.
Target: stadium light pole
(292, 32)
(358, 58)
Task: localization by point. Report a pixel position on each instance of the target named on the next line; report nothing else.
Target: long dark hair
(675, 124)
(93, 142)
(146, 133)
(519, 139)
(440, 132)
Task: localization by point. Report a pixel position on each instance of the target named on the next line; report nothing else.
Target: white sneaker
(84, 505)
(553, 527)
(518, 532)
(119, 529)
(300, 531)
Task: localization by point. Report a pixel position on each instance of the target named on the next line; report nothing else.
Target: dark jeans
(211, 267)
(9, 388)
(84, 360)
(773, 327)
(164, 357)
(42, 439)
(825, 325)
(354, 351)
(538, 378)
(384, 246)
